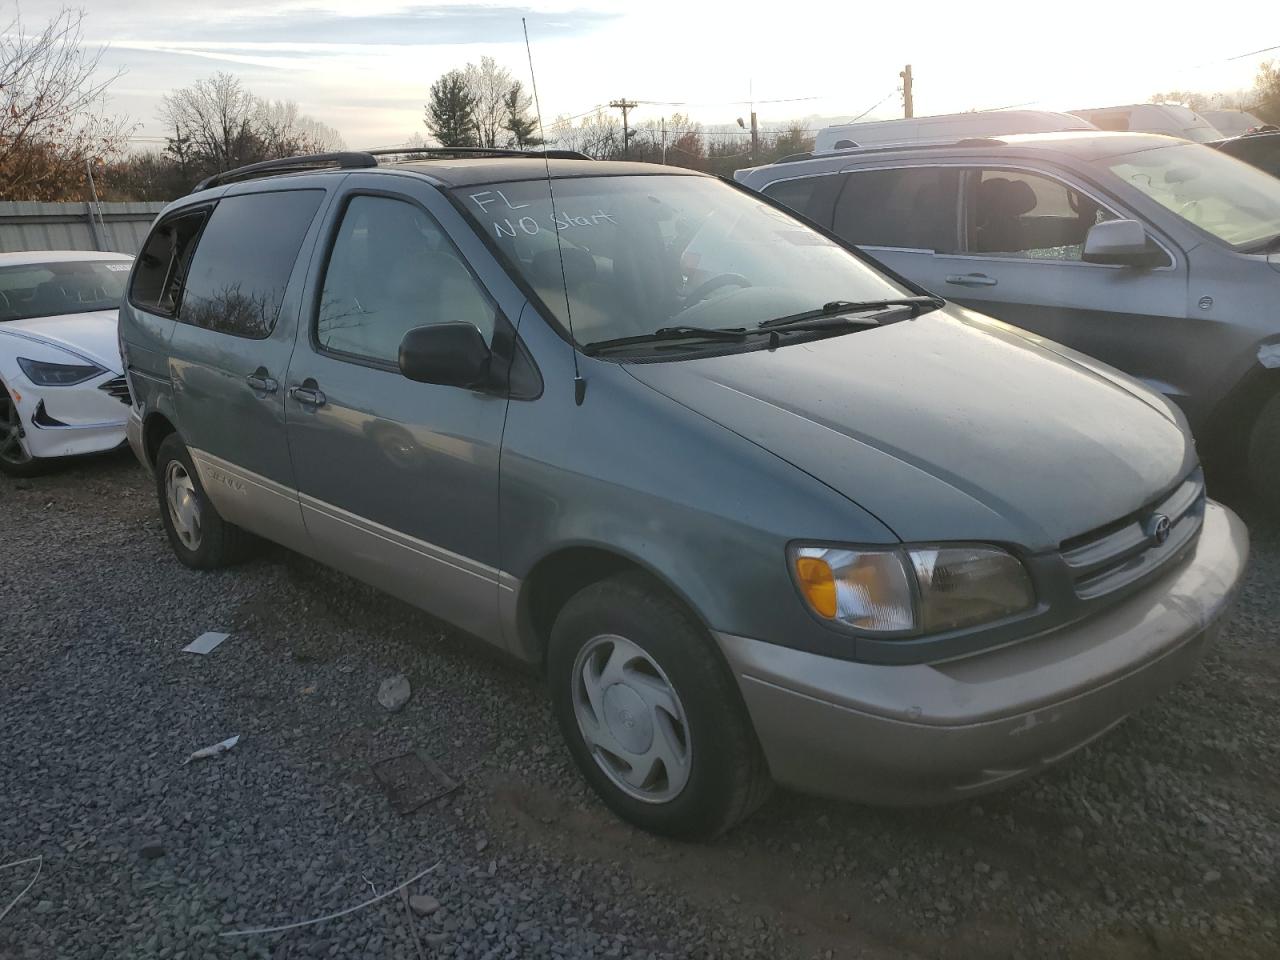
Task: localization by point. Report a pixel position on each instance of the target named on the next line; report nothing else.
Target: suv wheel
(198, 535)
(14, 458)
(1264, 456)
(650, 713)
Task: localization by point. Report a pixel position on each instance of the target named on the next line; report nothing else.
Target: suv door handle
(971, 280)
(262, 383)
(308, 395)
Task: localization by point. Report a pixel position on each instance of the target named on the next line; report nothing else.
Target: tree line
(1262, 100)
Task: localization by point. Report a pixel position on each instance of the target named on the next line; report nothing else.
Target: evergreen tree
(450, 114)
(522, 127)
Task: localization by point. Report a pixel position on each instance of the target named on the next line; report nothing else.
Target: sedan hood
(946, 427)
(89, 336)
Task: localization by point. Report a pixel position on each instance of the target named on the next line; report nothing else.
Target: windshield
(647, 252)
(1236, 203)
(50, 289)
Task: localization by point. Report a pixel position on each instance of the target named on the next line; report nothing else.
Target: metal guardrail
(115, 227)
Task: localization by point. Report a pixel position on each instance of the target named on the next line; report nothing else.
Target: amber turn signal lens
(818, 584)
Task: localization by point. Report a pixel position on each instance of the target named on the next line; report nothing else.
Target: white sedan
(62, 386)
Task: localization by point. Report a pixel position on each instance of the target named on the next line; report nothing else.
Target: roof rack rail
(793, 157)
(316, 161)
(477, 152)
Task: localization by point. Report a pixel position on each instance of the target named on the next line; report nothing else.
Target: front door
(229, 352)
(398, 480)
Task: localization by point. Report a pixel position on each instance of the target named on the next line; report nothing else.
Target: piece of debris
(424, 904)
(214, 750)
(38, 860)
(334, 916)
(205, 643)
(151, 851)
(411, 780)
(393, 692)
(481, 845)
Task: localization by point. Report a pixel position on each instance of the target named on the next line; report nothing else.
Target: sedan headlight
(45, 374)
(911, 590)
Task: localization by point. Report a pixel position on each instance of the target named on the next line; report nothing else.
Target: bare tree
(215, 120)
(597, 135)
(489, 85)
(53, 120)
(285, 132)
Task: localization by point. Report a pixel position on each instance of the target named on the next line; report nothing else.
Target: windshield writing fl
(642, 253)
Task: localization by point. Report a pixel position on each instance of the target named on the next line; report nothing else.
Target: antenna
(579, 385)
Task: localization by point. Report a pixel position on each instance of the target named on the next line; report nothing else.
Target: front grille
(1128, 550)
(118, 388)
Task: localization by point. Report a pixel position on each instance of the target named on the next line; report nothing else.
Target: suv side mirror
(1121, 242)
(451, 354)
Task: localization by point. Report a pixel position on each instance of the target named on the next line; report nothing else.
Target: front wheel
(15, 460)
(198, 535)
(650, 713)
(1263, 462)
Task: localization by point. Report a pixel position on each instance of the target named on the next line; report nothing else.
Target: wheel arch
(155, 427)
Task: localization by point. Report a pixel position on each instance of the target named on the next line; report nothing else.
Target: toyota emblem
(1158, 528)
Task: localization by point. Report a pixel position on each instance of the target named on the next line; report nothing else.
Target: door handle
(262, 383)
(309, 396)
(971, 280)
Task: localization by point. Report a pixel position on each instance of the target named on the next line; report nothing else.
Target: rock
(44, 906)
(1212, 876)
(423, 904)
(481, 844)
(393, 693)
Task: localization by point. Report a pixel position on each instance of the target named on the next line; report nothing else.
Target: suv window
(796, 194)
(1013, 214)
(909, 207)
(242, 264)
(392, 269)
(162, 265)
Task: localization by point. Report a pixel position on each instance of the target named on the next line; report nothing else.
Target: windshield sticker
(117, 267)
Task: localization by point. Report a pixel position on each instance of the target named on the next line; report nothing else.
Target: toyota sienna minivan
(760, 510)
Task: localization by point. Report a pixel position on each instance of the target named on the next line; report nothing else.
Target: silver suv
(1158, 256)
(759, 511)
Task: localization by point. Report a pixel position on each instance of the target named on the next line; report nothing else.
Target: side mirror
(451, 354)
(1121, 242)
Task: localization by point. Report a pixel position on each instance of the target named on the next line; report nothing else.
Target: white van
(1170, 119)
(1232, 123)
(946, 128)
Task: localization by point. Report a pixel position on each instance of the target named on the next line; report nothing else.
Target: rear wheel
(198, 535)
(15, 459)
(650, 713)
(1263, 456)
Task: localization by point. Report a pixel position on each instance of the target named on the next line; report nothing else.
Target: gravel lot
(1162, 840)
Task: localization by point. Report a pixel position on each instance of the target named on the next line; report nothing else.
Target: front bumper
(68, 421)
(931, 733)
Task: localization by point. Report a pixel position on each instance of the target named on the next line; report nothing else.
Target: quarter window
(246, 253)
(796, 194)
(393, 269)
(909, 207)
(1013, 214)
(162, 265)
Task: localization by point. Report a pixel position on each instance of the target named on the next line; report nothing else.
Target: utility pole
(664, 141)
(625, 105)
(755, 137)
(908, 105)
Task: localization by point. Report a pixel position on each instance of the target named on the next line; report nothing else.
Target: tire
(15, 460)
(215, 543)
(1263, 457)
(643, 646)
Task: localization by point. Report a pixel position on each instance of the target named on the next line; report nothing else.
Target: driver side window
(1009, 213)
(392, 269)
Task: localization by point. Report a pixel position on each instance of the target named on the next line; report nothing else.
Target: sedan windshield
(644, 253)
(1236, 203)
(51, 289)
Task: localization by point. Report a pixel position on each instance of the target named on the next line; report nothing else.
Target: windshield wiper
(835, 308)
(668, 333)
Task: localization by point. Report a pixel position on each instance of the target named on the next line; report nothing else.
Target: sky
(365, 66)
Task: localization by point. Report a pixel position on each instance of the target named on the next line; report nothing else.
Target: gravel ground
(1161, 840)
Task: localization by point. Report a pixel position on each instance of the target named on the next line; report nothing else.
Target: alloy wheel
(183, 504)
(11, 447)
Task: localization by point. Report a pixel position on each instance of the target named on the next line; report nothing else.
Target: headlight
(911, 590)
(46, 374)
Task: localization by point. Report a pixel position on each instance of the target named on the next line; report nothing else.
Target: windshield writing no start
(507, 219)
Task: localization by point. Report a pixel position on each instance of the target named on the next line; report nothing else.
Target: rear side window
(241, 268)
(910, 207)
(796, 194)
(162, 265)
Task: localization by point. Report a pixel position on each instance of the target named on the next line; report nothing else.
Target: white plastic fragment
(205, 643)
(214, 750)
(1269, 356)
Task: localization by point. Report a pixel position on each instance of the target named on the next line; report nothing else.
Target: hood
(946, 428)
(90, 336)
